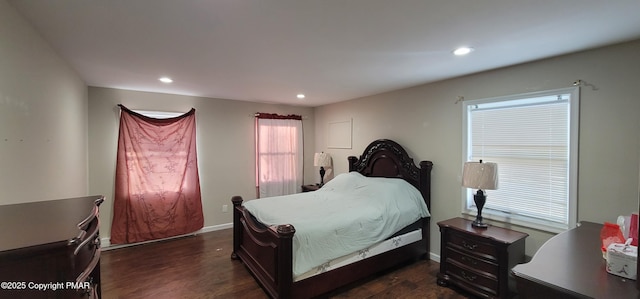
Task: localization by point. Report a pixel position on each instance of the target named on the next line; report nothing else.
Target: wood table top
(42, 222)
(571, 262)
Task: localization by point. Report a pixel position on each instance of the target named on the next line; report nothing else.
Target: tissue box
(621, 260)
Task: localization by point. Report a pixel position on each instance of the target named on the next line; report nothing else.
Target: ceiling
(330, 50)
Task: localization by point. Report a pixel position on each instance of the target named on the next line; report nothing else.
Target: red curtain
(157, 192)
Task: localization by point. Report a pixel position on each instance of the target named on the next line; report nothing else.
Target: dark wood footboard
(266, 251)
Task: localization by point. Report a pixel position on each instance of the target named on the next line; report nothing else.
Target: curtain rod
(256, 114)
(579, 83)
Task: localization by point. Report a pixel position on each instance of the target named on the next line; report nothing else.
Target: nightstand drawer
(491, 269)
(472, 279)
(473, 246)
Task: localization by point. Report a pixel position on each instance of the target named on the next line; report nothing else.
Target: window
(534, 139)
(279, 154)
(159, 156)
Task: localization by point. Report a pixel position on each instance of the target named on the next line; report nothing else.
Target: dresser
(479, 260)
(50, 249)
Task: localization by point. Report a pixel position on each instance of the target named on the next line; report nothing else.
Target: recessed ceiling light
(165, 80)
(300, 96)
(462, 51)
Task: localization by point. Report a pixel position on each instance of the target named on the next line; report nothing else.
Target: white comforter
(349, 213)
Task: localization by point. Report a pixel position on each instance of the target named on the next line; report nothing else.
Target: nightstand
(479, 260)
(307, 188)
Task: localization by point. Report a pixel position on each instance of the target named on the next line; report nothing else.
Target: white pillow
(344, 181)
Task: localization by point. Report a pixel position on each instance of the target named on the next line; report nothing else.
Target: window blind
(530, 140)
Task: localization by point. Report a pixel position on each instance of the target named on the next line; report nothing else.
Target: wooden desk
(570, 265)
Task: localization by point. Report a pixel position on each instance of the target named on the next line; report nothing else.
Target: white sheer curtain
(279, 154)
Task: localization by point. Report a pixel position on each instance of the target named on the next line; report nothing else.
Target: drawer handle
(468, 277)
(73, 241)
(469, 261)
(77, 239)
(469, 246)
(85, 223)
(86, 241)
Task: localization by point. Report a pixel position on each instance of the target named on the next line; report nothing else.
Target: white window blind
(533, 139)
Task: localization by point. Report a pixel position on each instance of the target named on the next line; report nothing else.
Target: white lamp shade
(479, 175)
(322, 160)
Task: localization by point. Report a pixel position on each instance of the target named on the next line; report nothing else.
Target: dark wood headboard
(386, 158)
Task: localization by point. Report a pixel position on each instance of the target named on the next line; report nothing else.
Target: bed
(267, 251)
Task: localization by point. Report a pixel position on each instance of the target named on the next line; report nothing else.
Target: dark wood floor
(199, 267)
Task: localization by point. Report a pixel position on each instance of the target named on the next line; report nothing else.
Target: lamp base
(322, 172)
(479, 224)
(479, 198)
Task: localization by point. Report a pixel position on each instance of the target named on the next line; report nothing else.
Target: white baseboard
(434, 257)
(214, 228)
(105, 243)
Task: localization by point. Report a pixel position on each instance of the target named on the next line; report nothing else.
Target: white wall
(43, 117)
(225, 140)
(428, 123)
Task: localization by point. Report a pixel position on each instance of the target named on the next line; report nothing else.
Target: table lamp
(481, 176)
(323, 160)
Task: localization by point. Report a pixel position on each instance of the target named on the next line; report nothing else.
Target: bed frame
(267, 251)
